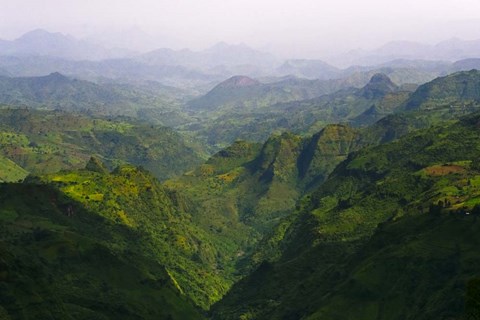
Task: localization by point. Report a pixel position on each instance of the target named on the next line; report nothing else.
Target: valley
(226, 183)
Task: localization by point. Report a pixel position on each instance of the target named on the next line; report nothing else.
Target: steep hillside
(10, 171)
(460, 90)
(62, 259)
(49, 141)
(135, 199)
(392, 216)
(245, 191)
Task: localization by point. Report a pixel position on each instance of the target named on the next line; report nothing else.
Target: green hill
(49, 141)
(385, 237)
(332, 221)
(247, 94)
(456, 91)
(66, 255)
(56, 91)
(250, 117)
(243, 192)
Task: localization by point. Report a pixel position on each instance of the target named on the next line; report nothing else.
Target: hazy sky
(295, 27)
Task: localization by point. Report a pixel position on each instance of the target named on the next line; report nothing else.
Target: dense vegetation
(401, 215)
(357, 204)
(254, 111)
(61, 260)
(49, 141)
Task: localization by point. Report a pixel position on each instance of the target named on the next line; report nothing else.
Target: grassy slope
(133, 198)
(10, 171)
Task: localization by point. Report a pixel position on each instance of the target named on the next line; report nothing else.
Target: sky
(294, 27)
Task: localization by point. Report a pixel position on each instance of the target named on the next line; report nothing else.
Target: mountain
(379, 86)
(48, 141)
(242, 192)
(220, 55)
(56, 91)
(245, 190)
(448, 50)
(66, 253)
(124, 70)
(298, 226)
(467, 64)
(234, 92)
(399, 215)
(237, 82)
(253, 112)
(43, 43)
(456, 91)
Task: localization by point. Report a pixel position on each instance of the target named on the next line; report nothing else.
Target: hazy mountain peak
(238, 81)
(40, 35)
(40, 42)
(56, 76)
(380, 78)
(379, 85)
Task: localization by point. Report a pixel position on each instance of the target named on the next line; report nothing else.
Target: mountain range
(228, 184)
(39, 52)
(448, 50)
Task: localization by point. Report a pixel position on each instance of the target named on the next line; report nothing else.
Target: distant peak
(238, 81)
(39, 33)
(36, 32)
(380, 78)
(379, 85)
(56, 75)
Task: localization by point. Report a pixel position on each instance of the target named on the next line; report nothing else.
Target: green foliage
(456, 91)
(10, 171)
(243, 192)
(256, 111)
(368, 229)
(132, 198)
(49, 141)
(56, 91)
(344, 224)
(61, 260)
